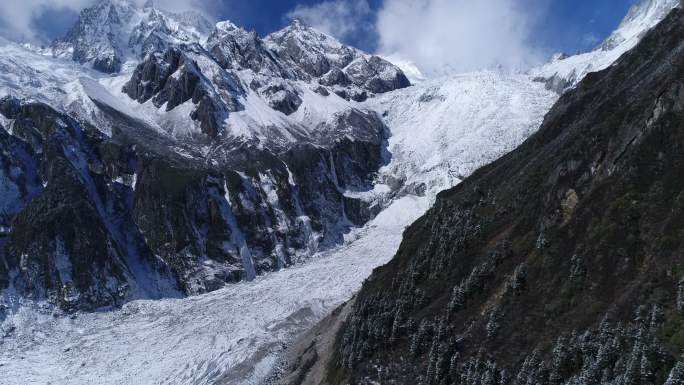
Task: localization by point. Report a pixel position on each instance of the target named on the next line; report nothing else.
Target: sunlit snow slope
(567, 71)
(444, 129)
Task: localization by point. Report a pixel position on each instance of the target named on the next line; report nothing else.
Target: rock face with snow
(114, 31)
(349, 72)
(94, 221)
(565, 72)
(70, 239)
(219, 156)
(173, 77)
(279, 70)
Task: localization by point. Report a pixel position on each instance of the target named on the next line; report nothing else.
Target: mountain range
(201, 165)
(150, 155)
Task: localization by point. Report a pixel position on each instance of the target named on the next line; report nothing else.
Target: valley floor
(232, 336)
(236, 335)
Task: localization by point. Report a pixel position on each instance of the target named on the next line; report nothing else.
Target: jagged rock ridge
(290, 68)
(93, 221)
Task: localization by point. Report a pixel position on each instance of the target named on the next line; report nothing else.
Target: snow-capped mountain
(112, 32)
(289, 87)
(565, 71)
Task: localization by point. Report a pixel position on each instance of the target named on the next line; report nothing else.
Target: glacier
(441, 130)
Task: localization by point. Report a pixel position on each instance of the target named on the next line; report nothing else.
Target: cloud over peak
(438, 36)
(457, 35)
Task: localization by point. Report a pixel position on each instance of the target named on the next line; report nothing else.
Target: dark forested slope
(561, 263)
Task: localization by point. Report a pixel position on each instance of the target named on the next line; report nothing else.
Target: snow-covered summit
(189, 77)
(563, 71)
(314, 51)
(111, 32)
(641, 17)
(351, 72)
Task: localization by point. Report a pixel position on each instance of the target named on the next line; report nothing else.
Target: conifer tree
(458, 299)
(676, 376)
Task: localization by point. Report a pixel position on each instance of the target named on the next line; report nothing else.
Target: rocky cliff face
(558, 264)
(348, 72)
(279, 70)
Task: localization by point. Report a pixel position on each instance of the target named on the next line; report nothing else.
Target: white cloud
(339, 18)
(458, 35)
(208, 8)
(17, 16)
(438, 36)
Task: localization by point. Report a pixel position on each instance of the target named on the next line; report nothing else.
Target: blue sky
(473, 33)
(572, 25)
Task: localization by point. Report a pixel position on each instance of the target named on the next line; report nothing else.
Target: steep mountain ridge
(307, 79)
(564, 72)
(246, 212)
(559, 263)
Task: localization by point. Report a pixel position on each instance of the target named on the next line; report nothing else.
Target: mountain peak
(112, 32)
(306, 32)
(641, 17)
(227, 25)
(296, 23)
